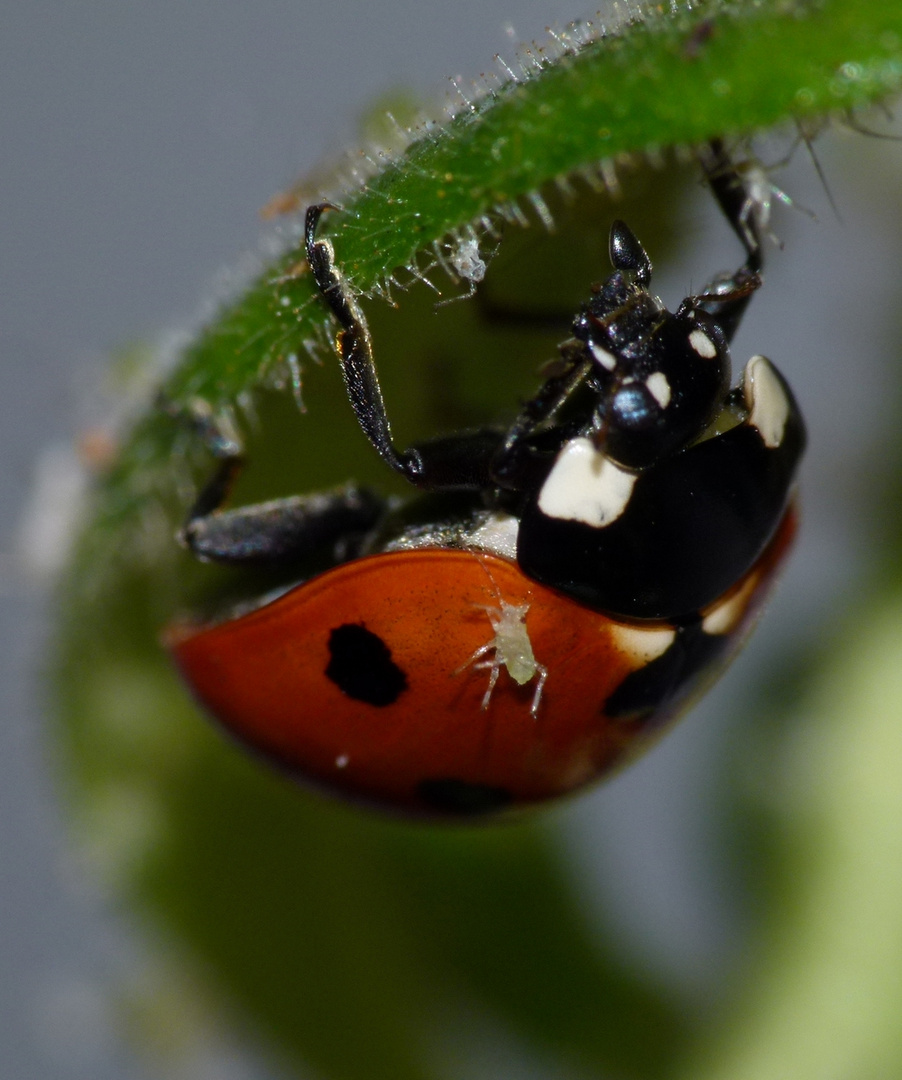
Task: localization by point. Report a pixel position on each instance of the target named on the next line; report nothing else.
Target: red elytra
(429, 745)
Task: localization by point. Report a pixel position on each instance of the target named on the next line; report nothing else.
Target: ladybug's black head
(659, 377)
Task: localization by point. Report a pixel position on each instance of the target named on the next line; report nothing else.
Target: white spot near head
(767, 401)
(642, 644)
(659, 388)
(702, 344)
(341, 762)
(584, 485)
(607, 359)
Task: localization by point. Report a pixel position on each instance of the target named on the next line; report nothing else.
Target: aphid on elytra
(511, 649)
(636, 511)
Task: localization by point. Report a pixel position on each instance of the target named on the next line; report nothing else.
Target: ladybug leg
(456, 462)
(285, 530)
(728, 183)
(355, 348)
(728, 295)
(518, 464)
(272, 532)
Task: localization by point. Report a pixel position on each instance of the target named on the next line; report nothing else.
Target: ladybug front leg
(458, 462)
(729, 187)
(728, 295)
(355, 347)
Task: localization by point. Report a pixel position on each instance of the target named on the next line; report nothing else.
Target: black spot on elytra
(452, 796)
(361, 666)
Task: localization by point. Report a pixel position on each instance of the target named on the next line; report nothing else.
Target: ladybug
(561, 589)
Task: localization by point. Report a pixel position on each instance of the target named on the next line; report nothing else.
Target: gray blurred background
(138, 144)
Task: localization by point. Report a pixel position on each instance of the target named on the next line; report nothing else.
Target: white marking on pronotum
(702, 344)
(767, 401)
(585, 486)
(512, 649)
(659, 388)
(606, 359)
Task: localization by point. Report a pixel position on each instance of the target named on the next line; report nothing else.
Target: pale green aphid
(512, 649)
